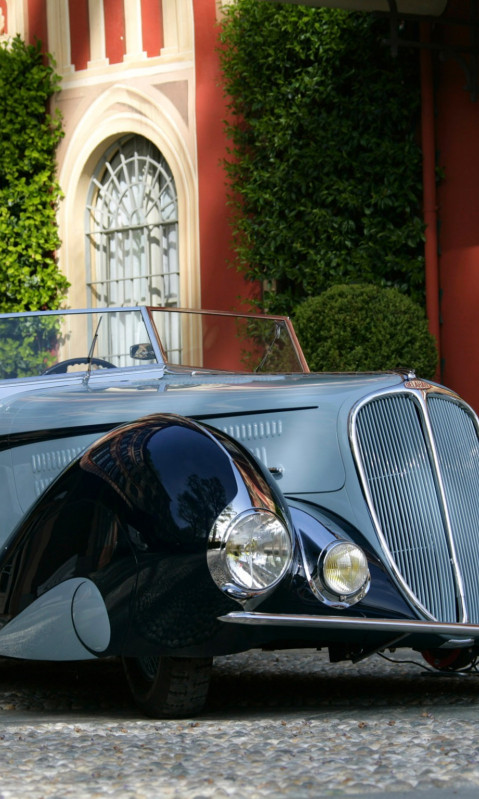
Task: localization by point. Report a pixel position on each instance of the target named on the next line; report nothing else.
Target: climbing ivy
(324, 165)
(29, 192)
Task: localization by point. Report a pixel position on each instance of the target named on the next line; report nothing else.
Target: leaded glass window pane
(132, 231)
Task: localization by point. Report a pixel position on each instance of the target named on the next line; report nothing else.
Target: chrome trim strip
(405, 626)
(419, 397)
(153, 335)
(445, 509)
(73, 311)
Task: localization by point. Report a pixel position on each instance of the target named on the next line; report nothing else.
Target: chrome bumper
(399, 627)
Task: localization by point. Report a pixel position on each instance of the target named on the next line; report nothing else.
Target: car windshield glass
(221, 341)
(59, 343)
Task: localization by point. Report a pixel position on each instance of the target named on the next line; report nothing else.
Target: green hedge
(29, 192)
(365, 328)
(325, 164)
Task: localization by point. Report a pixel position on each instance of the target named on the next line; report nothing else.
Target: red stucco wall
(37, 22)
(114, 31)
(458, 206)
(152, 26)
(221, 288)
(80, 24)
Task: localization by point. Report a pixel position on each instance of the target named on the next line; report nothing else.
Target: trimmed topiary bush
(359, 328)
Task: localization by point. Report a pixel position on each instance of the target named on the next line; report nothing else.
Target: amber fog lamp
(344, 569)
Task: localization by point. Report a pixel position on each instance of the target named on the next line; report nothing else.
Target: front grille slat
(456, 440)
(402, 487)
(410, 483)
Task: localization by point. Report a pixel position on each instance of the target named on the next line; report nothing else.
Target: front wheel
(167, 687)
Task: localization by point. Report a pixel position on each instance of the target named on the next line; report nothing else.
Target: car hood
(199, 396)
(289, 423)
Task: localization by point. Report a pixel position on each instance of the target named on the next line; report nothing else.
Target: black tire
(168, 688)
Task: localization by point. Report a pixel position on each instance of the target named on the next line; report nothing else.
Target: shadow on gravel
(294, 681)
(54, 688)
(241, 684)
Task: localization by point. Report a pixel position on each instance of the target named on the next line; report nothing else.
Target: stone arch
(118, 111)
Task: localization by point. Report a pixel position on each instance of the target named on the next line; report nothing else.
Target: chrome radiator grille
(418, 457)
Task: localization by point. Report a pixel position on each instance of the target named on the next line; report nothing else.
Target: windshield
(53, 343)
(48, 343)
(227, 342)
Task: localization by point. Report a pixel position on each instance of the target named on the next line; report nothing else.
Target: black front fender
(317, 528)
(127, 523)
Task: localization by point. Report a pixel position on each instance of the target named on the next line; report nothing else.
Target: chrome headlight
(250, 552)
(343, 570)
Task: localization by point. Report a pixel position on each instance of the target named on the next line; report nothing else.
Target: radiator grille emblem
(419, 385)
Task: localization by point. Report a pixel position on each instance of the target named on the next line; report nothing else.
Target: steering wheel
(62, 366)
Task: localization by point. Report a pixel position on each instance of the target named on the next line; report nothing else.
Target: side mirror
(142, 352)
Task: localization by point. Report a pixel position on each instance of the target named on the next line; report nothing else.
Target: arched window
(132, 239)
(132, 228)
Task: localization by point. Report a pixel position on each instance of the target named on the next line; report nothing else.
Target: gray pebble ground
(276, 725)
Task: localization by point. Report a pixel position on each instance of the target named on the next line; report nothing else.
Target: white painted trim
(58, 27)
(117, 111)
(16, 17)
(96, 16)
(133, 31)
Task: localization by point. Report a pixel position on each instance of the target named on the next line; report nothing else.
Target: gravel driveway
(276, 724)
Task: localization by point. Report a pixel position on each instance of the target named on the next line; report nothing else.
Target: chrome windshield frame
(285, 320)
(147, 312)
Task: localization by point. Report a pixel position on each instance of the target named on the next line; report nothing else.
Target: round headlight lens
(345, 569)
(257, 550)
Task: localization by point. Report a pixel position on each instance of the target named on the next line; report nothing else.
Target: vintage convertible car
(176, 485)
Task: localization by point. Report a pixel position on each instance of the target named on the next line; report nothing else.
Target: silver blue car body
(177, 485)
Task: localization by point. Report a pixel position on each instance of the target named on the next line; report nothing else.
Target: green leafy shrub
(29, 193)
(28, 346)
(357, 328)
(325, 165)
